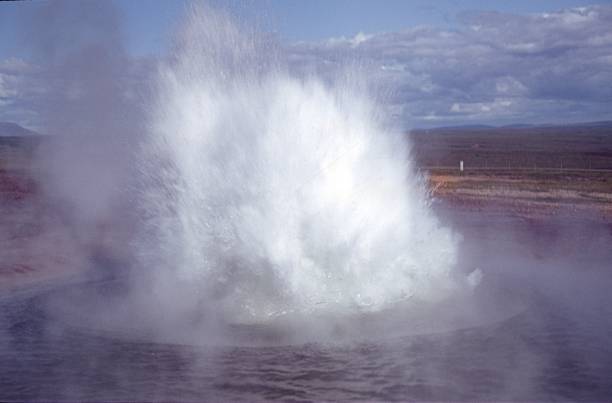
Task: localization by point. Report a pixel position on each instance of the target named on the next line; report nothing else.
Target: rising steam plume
(248, 190)
(266, 193)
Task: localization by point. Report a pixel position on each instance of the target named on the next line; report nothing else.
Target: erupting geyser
(268, 193)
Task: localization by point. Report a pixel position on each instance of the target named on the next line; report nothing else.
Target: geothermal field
(223, 226)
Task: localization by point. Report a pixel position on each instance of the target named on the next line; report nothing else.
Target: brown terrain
(534, 173)
(541, 172)
(35, 245)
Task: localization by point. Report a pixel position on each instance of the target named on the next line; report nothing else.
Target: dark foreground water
(558, 345)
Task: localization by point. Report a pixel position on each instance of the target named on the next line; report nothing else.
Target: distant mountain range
(9, 129)
(602, 123)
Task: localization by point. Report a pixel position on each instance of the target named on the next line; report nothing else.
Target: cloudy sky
(440, 63)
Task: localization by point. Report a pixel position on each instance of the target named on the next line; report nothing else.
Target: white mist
(267, 194)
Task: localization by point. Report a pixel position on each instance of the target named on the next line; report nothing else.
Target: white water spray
(268, 194)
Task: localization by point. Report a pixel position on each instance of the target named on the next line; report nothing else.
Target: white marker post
(461, 167)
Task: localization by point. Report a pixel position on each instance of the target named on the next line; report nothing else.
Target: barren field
(531, 172)
(35, 245)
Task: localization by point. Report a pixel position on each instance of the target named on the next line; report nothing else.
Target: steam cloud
(231, 188)
(95, 115)
(268, 194)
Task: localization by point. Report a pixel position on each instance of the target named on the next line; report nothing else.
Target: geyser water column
(267, 194)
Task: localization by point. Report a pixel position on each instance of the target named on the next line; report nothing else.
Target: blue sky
(149, 22)
(443, 62)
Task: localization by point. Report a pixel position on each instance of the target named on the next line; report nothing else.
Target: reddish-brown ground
(527, 194)
(34, 244)
(532, 172)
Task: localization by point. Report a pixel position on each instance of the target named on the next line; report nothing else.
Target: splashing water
(267, 193)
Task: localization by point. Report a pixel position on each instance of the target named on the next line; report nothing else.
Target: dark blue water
(558, 346)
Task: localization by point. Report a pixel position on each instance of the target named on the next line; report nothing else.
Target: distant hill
(599, 126)
(602, 123)
(9, 129)
(462, 127)
(518, 126)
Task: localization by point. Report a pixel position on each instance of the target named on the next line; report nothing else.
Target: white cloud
(7, 86)
(498, 106)
(510, 86)
(14, 64)
(496, 67)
